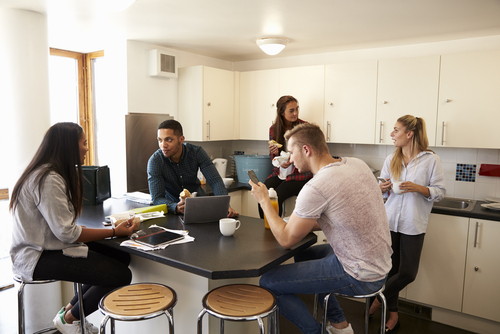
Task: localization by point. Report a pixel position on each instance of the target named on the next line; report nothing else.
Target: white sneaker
(89, 327)
(332, 330)
(65, 328)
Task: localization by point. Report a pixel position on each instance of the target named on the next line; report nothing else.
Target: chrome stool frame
(367, 308)
(272, 313)
(110, 315)
(77, 287)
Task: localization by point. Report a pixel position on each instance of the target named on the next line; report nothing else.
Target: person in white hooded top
(422, 183)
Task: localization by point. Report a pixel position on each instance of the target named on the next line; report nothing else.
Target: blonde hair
(309, 134)
(419, 141)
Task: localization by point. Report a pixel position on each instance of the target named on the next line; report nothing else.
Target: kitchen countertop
(478, 212)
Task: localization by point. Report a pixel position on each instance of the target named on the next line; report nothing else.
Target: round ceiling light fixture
(272, 45)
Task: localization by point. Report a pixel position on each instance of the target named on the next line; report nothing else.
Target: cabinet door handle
(475, 234)
(208, 130)
(385, 102)
(476, 268)
(381, 127)
(442, 135)
(328, 125)
(331, 103)
(448, 100)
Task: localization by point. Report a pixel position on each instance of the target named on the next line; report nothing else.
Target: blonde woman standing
(422, 183)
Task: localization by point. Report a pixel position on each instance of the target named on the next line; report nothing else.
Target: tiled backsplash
(454, 161)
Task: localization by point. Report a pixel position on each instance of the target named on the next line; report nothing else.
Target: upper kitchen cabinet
(307, 85)
(350, 102)
(407, 86)
(258, 96)
(206, 103)
(469, 100)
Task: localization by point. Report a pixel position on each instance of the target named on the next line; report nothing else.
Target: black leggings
(104, 270)
(405, 260)
(284, 189)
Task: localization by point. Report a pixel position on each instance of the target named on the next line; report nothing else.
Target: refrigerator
(141, 132)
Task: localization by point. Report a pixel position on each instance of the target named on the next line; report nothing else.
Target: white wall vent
(162, 64)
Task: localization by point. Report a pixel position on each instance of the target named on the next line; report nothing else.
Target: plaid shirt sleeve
(156, 181)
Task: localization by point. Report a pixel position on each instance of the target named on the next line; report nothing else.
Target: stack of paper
(139, 197)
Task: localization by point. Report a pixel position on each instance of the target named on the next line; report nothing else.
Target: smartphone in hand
(253, 177)
(382, 179)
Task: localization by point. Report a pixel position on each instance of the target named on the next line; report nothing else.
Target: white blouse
(409, 213)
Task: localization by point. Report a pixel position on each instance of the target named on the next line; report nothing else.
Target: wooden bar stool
(241, 302)
(77, 287)
(367, 307)
(138, 301)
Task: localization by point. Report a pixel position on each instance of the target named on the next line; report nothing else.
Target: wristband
(113, 233)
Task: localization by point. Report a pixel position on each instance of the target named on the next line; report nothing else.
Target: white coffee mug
(396, 189)
(227, 226)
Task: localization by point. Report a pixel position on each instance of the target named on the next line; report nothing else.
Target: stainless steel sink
(455, 204)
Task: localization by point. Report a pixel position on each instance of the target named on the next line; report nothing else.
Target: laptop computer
(205, 209)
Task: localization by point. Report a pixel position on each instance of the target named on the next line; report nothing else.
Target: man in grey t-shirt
(342, 199)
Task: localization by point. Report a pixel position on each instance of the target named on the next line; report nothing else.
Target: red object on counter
(489, 170)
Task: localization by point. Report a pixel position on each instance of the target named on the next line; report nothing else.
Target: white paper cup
(396, 189)
(227, 226)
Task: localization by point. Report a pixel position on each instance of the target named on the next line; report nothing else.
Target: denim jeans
(316, 270)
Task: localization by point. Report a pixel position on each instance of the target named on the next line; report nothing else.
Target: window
(72, 91)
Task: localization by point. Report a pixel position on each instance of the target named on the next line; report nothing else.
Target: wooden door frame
(85, 96)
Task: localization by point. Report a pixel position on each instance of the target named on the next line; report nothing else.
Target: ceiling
(227, 29)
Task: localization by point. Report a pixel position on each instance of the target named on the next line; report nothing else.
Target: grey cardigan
(46, 226)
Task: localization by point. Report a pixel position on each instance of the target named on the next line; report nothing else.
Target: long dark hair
(279, 123)
(58, 152)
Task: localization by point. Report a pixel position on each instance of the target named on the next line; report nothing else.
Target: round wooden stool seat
(139, 299)
(240, 300)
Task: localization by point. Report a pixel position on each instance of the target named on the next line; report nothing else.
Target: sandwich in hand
(275, 143)
(184, 194)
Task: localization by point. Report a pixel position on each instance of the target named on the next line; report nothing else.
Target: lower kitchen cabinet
(440, 278)
(482, 271)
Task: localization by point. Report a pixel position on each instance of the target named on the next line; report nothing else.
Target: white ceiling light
(272, 45)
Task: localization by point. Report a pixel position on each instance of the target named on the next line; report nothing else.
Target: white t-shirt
(345, 199)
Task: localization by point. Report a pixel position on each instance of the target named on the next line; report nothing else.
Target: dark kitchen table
(192, 269)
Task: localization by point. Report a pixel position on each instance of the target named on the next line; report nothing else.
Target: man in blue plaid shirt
(174, 167)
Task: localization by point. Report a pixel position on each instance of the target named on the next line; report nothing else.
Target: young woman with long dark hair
(46, 241)
(285, 179)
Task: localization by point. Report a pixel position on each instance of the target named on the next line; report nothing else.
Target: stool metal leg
(315, 306)
(20, 308)
(102, 327)
(261, 325)
(77, 287)
(221, 326)
(325, 307)
(384, 313)
(367, 312)
(200, 324)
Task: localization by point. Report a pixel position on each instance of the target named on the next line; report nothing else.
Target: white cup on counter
(228, 226)
(395, 187)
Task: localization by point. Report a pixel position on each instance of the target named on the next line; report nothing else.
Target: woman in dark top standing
(286, 179)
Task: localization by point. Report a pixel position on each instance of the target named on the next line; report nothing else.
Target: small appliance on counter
(221, 165)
